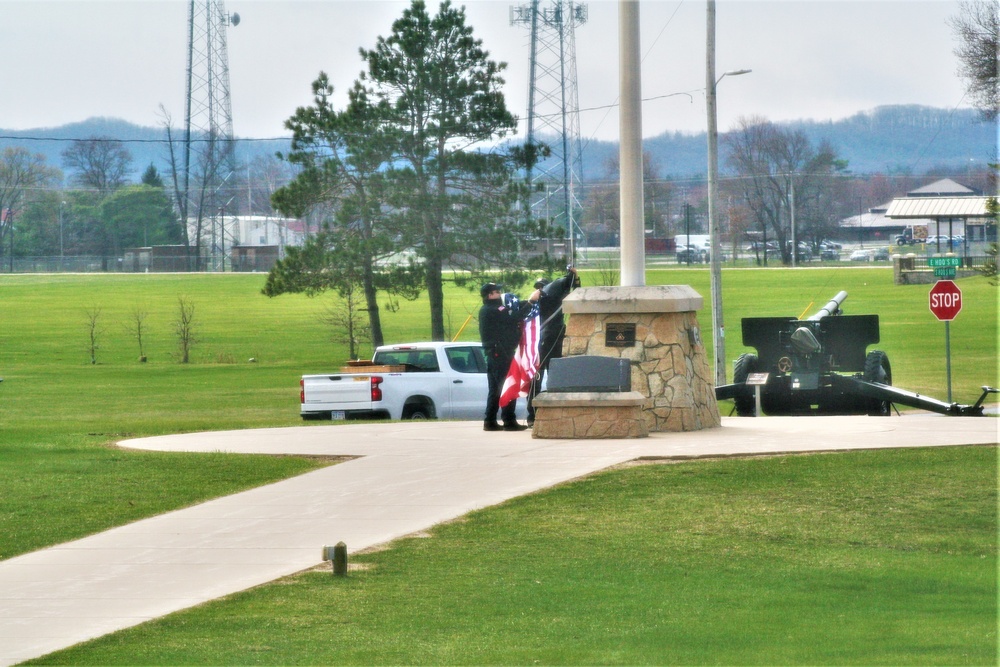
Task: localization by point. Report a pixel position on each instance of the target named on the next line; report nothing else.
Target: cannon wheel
(877, 369)
(744, 366)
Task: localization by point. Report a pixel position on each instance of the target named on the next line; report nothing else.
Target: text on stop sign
(947, 300)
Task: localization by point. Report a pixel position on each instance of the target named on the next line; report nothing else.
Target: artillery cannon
(805, 361)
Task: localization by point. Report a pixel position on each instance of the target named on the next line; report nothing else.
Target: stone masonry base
(589, 415)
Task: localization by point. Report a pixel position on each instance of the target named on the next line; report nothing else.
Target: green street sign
(935, 262)
(944, 272)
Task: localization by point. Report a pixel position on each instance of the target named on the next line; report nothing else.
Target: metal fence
(917, 262)
(589, 257)
(75, 264)
(159, 264)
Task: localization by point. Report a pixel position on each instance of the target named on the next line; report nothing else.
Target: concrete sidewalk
(407, 477)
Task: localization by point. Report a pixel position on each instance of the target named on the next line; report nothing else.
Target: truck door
(468, 383)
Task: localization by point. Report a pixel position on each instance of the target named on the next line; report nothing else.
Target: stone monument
(656, 329)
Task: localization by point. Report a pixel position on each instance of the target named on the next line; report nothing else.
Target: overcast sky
(65, 61)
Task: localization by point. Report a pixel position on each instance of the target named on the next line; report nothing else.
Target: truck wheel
(744, 366)
(418, 412)
(877, 369)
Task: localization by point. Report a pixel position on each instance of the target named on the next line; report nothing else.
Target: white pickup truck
(410, 381)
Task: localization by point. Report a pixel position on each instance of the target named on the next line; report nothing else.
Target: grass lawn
(63, 478)
(60, 414)
(862, 558)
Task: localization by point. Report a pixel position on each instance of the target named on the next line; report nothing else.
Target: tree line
(100, 214)
(412, 183)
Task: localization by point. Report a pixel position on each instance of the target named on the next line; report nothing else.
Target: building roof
(873, 219)
(937, 207)
(943, 188)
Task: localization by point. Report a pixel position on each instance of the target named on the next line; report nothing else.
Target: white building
(221, 234)
(940, 208)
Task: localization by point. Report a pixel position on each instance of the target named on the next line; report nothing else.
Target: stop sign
(945, 300)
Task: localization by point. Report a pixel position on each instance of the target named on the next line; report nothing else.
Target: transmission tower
(554, 108)
(208, 130)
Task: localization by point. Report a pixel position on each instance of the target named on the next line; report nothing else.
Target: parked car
(803, 253)
(945, 242)
(880, 255)
(758, 246)
(829, 254)
(688, 254)
(861, 255)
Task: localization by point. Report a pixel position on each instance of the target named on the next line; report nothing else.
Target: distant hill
(892, 139)
(148, 145)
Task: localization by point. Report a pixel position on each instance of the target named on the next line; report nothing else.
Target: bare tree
(601, 216)
(137, 328)
(101, 163)
(21, 172)
(977, 29)
(185, 329)
(94, 332)
(200, 189)
(265, 174)
(779, 169)
(346, 318)
(176, 177)
(608, 272)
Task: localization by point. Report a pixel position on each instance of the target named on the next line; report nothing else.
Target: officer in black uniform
(500, 331)
(553, 323)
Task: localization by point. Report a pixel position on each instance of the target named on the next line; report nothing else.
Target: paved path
(407, 477)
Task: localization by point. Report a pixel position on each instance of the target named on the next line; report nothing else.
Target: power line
(8, 137)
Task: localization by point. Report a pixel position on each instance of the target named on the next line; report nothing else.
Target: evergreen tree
(138, 216)
(400, 171)
(151, 177)
(439, 97)
(342, 156)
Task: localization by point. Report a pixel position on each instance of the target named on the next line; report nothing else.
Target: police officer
(553, 323)
(500, 331)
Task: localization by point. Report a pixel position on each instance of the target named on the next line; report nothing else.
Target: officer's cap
(485, 290)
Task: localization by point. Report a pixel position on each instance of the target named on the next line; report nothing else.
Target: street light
(711, 83)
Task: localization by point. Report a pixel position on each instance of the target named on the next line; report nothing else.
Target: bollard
(338, 556)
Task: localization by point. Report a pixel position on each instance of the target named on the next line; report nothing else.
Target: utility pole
(718, 330)
(711, 85)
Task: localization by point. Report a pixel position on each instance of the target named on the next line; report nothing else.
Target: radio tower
(554, 108)
(208, 130)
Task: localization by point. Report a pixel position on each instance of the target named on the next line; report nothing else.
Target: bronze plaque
(619, 334)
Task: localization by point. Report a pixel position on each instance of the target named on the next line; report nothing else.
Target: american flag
(525, 364)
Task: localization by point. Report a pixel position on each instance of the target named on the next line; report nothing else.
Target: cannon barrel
(832, 307)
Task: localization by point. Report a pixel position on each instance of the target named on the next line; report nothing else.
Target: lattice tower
(209, 155)
(554, 108)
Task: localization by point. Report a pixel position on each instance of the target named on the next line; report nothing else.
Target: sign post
(757, 380)
(945, 302)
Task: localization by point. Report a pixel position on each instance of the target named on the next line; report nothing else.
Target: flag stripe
(524, 366)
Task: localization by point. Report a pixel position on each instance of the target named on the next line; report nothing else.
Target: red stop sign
(945, 300)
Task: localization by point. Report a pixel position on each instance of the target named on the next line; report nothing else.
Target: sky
(68, 60)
